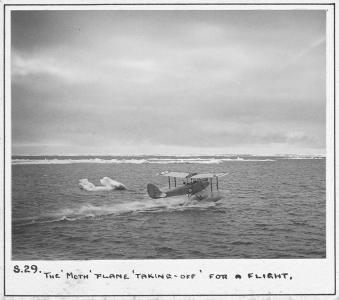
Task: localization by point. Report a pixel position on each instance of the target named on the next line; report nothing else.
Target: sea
(271, 207)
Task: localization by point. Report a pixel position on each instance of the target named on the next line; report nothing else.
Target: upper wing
(208, 175)
(175, 174)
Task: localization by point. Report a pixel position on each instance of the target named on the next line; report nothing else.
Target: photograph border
(5, 5)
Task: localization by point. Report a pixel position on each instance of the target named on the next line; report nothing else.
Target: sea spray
(97, 212)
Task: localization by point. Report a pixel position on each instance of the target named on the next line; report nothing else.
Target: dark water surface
(271, 208)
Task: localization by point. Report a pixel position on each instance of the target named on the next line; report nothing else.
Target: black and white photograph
(176, 134)
(104, 101)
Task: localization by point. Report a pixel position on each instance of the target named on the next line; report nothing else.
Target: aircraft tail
(154, 192)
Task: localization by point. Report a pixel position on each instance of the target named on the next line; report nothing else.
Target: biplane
(192, 184)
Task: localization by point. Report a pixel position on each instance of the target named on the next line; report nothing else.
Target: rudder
(154, 192)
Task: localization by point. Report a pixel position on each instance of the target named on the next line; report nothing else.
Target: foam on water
(90, 211)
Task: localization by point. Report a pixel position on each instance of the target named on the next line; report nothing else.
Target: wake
(92, 212)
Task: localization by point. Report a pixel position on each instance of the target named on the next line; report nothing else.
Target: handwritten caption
(134, 274)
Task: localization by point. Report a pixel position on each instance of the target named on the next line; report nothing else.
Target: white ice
(108, 184)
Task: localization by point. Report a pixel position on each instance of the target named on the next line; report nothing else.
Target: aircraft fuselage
(188, 189)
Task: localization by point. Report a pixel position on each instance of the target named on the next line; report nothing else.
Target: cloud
(25, 66)
(182, 80)
(321, 41)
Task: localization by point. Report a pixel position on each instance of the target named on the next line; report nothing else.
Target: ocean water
(270, 207)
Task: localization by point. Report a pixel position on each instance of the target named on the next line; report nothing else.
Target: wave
(302, 158)
(89, 211)
(134, 161)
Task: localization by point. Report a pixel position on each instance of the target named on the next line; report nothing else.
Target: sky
(168, 82)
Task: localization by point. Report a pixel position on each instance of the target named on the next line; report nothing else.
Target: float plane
(193, 184)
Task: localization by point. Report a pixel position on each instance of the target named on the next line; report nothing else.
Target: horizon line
(192, 155)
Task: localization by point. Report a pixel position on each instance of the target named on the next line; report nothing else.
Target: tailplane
(154, 192)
